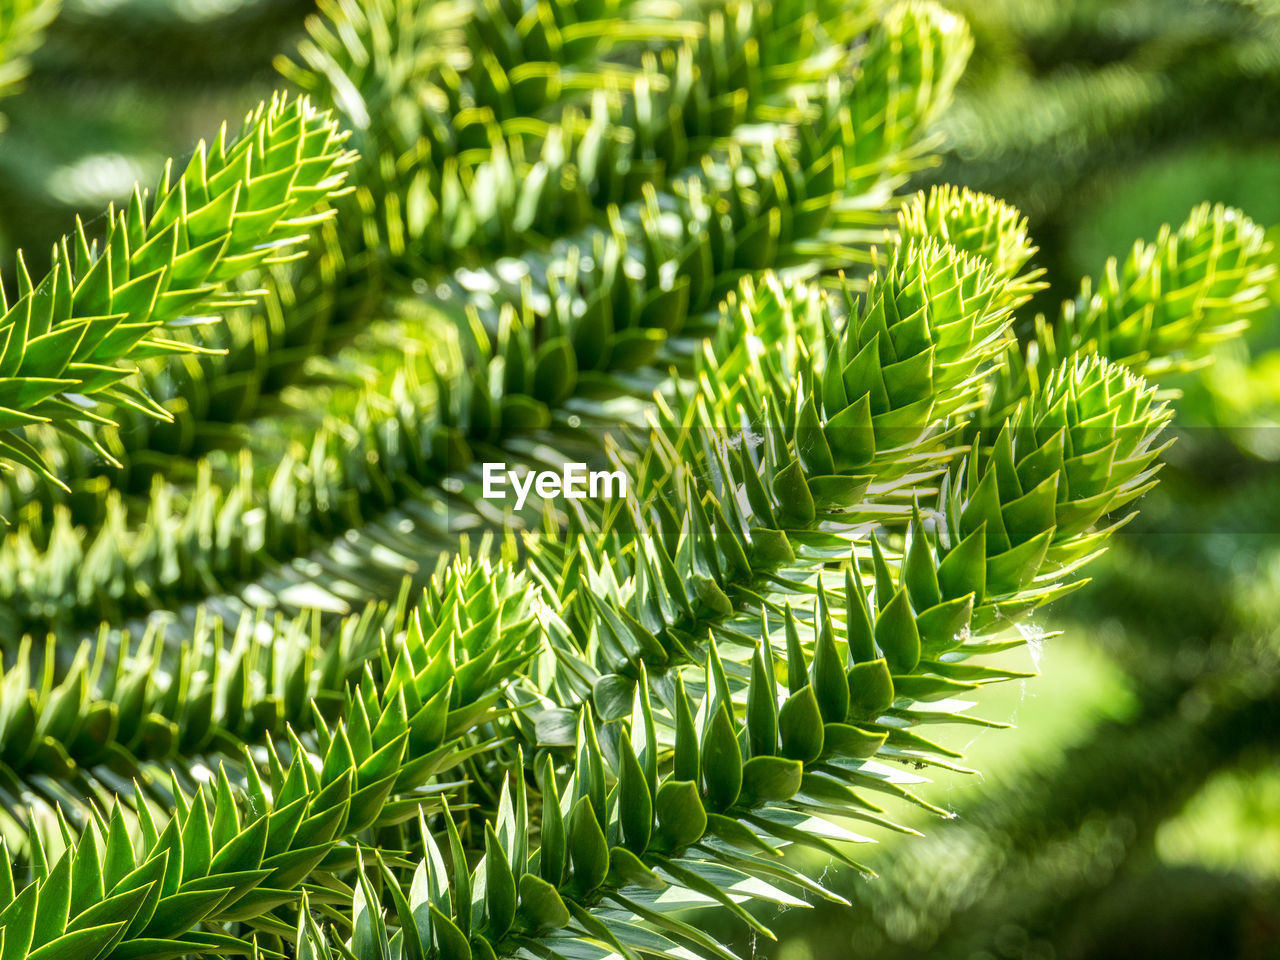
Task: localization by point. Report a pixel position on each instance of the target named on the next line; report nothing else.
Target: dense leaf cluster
(304, 691)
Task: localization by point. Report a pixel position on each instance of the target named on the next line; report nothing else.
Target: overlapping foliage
(300, 695)
(73, 335)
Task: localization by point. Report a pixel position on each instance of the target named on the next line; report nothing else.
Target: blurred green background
(1135, 810)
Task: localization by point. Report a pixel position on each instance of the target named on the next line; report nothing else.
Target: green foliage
(588, 231)
(21, 23)
(1073, 110)
(160, 709)
(481, 170)
(601, 323)
(976, 224)
(239, 204)
(1112, 78)
(1211, 275)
